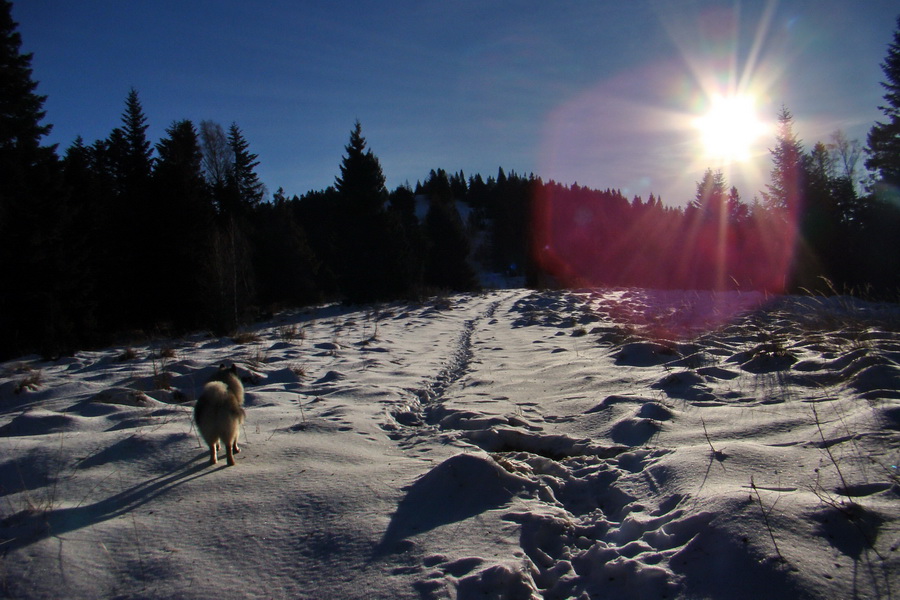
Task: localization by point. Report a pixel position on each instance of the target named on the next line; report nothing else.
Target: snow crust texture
(510, 445)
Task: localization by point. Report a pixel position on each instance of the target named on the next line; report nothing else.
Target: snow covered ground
(514, 444)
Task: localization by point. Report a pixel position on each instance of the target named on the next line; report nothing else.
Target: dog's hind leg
(229, 449)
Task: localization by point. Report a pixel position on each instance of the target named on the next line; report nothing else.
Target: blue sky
(597, 92)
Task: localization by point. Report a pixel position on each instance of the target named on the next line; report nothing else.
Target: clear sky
(599, 92)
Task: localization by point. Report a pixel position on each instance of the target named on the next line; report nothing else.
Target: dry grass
(245, 337)
(30, 383)
(167, 352)
(258, 358)
(300, 370)
(127, 354)
(289, 333)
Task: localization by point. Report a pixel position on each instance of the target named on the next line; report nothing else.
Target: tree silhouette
(244, 185)
(884, 137)
(130, 222)
(137, 162)
(363, 245)
(21, 113)
(182, 220)
(35, 313)
(788, 177)
(284, 264)
(217, 154)
(447, 265)
(361, 183)
(710, 198)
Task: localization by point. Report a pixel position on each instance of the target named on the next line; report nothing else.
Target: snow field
(514, 444)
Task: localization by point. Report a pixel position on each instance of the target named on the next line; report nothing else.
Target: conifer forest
(125, 236)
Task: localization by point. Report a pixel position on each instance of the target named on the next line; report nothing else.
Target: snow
(513, 444)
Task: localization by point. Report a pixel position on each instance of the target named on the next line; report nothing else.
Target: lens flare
(730, 128)
(687, 270)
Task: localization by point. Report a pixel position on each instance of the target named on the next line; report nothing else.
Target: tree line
(123, 235)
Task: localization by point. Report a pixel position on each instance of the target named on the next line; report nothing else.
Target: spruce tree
(182, 221)
(129, 222)
(22, 154)
(246, 188)
(711, 195)
(786, 190)
(35, 312)
(361, 183)
(137, 162)
(364, 259)
(884, 137)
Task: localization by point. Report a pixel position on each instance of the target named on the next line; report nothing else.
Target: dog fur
(219, 412)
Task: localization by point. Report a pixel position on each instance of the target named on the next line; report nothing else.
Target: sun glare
(730, 128)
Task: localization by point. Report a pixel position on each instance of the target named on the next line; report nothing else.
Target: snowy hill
(515, 444)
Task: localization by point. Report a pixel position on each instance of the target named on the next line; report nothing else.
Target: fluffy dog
(219, 412)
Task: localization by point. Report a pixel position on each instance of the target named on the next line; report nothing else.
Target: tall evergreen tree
(738, 211)
(361, 183)
(819, 225)
(880, 216)
(711, 195)
(231, 269)
(34, 314)
(129, 222)
(137, 163)
(182, 220)
(363, 245)
(788, 178)
(884, 138)
(245, 186)
(22, 154)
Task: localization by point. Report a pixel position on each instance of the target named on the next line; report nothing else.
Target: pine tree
(137, 162)
(245, 185)
(365, 258)
(711, 195)
(361, 183)
(21, 113)
(129, 222)
(786, 190)
(182, 221)
(34, 314)
(884, 137)
(738, 211)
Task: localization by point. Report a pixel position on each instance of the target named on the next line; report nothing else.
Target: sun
(730, 128)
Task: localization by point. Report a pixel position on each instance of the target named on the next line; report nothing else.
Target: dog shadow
(30, 526)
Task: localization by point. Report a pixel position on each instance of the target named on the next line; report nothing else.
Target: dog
(219, 412)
